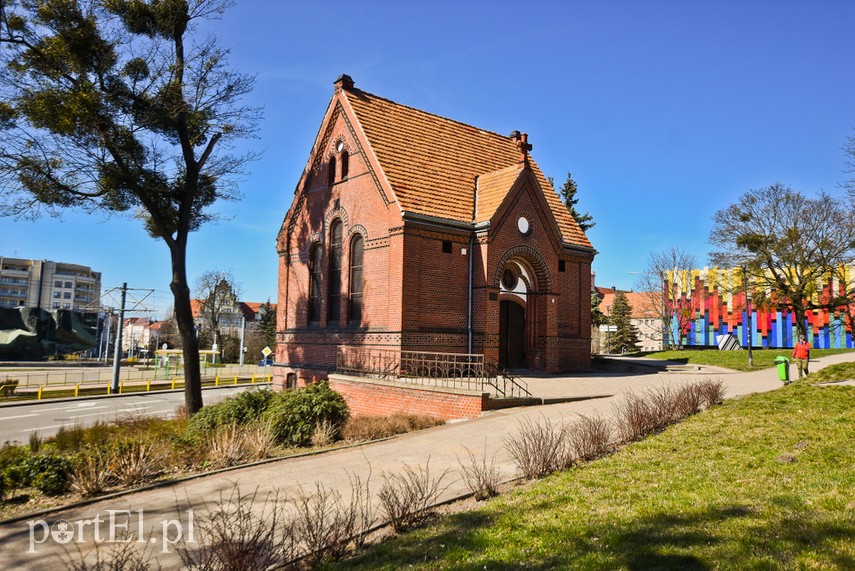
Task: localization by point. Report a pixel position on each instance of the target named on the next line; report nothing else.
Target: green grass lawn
(762, 482)
(737, 360)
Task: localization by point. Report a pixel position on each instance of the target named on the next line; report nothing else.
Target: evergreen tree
(625, 337)
(568, 195)
(267, 324)
(597, 316)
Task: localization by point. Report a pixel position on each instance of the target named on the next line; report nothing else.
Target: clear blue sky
(664, 111)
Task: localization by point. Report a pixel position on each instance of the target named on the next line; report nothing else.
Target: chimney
(344, 81)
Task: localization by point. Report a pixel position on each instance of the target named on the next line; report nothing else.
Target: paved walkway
(441, 446)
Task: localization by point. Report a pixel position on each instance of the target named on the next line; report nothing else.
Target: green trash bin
(783, 366)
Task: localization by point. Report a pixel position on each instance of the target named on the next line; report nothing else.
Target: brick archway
(533, 272)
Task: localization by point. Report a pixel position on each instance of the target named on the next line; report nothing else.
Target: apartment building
(48, 285)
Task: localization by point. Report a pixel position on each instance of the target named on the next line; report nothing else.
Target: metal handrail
(428, 368)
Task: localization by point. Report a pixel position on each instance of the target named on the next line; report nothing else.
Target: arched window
(315, 270)
(331, 171)
(335, 273)
(345, 164)
(355, 310)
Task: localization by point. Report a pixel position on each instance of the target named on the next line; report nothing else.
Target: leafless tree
(218, 293)
(790, 245)
(663, 284)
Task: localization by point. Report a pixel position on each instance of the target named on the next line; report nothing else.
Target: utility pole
(747, 316)
(117, 352)
(242, 335)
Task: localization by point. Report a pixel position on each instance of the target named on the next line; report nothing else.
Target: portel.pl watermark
(116, 526)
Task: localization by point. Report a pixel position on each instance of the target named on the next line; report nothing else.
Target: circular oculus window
(510, 280)
(339, 146)
(524, 226)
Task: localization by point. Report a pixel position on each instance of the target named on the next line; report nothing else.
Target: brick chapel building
(411, 231)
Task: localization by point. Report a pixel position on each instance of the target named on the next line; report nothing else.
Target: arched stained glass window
(334, 311)
(345, 164)
(315, 271)
(331, 171)
(355, 310)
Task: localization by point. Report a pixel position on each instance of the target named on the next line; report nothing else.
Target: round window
(524, 226)
(510, 280)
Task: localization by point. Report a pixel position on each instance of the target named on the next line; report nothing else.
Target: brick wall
(370, 397)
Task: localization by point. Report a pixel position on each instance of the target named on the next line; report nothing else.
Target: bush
(407, 499)
(12, 471)
(48, 473)
(295, 414)
(539, 448)
(362, 428)
(240, 409)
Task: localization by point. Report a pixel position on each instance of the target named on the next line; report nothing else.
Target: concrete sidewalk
(441, 446)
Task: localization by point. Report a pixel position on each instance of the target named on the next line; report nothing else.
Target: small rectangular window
(446, 246)
(69, 284)
(57, 284)
(561, 266)
(57, 295)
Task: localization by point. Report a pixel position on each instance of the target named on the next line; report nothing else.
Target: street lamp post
(747, 315)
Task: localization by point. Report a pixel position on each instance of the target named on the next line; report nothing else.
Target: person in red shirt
(801, 353)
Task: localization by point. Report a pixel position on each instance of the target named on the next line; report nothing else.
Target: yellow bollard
(235, 379)
(40, 392)
(252, 380)
(173, 383)
(148, 387)
(217, 381)
(120, 387)
(77, 390)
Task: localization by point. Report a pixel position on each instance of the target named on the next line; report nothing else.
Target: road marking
(19, 416)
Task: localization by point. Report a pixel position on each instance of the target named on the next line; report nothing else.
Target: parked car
(265, 362)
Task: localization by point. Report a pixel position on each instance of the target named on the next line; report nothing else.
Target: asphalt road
(46, 417)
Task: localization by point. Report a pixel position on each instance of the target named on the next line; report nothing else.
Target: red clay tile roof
(431, 162)
(492, 189)
(642, 303)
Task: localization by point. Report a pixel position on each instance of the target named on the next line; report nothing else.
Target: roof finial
(344, 81)
(522, 144)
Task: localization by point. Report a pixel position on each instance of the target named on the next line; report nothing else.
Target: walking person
(801, 353)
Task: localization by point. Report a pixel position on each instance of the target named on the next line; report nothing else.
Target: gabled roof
(432, 163)
(641, 302)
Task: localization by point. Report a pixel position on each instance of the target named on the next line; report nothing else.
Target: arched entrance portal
(525, 289)
(511, 334)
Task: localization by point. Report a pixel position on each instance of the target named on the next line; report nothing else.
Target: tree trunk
(186, 328)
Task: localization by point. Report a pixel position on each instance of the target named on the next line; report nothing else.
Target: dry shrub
(590, 438)
(713, 391)
(123, 554)
(482, 478)
(363, 428)
(226, 447)
(258, 440)
(689, 399)
(181, 413)
(237, 535)
(323, 524)
(324, 434)
(407, 499)
(539, 448)
(91, 473)
(635, 418)
(134, 461)
(360, 502)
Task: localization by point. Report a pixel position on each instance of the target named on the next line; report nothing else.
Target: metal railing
(14, 391)
(447, 370)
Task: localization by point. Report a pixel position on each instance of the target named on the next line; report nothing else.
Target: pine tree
(625, 337)
(267, 324)
(568, 195)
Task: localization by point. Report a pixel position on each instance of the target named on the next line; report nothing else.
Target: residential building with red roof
(644, 316)
(411, 231)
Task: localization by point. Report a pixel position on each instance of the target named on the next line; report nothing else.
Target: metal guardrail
(10, 392)
(425, 368)
(102, 374)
